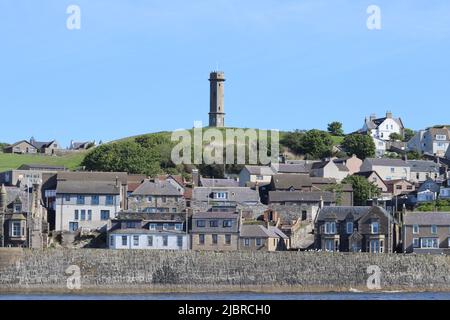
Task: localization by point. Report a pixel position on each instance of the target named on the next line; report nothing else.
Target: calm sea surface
(240, 296)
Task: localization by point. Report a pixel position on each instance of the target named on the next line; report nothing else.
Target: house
(428, 191)
(211, 182)
(83, 145)
(252, 175)
(426, 232)
(292, 168)
(382, 128)
(151, 231)
(257, 237)
(23, 218)
(87, 200)
(157, 196)
(422, 170)
(388, 169)
(290, 182)
(354, 229)
(399, 187)
(215, 231)
(223, 198)
(331, 168)
(374, 177)
(353, 164)
(432, 141)
(344, 190)
(21, 147)
(45, 147)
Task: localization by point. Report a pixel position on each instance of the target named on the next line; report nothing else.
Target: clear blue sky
(139, 66)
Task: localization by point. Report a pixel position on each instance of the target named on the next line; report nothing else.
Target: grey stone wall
(151, 271)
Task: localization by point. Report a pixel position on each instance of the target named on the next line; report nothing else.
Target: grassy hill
(13, 161)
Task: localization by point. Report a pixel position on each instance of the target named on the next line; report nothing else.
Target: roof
(387, 162)
(298, 196)
(375, 123)
(145, 231)
(429, 185)
(440, 131)
(42, 144)
(235, 194)
(206, 182)
(291, 168)
(19, 142)
(321, 180)
(12, 193)
(341, 212)
(392, 182)
(423, 166)
(278, 232)
(296, 181)
(256, 231)
(157, 216)
(366, 174)
(427, 218)
(18, 216)
(260, 170)
(87, 187)
(92, 176)
(157, 188)
(41, 167)
(215, 215)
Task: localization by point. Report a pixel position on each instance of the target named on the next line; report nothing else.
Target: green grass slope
(13, 161)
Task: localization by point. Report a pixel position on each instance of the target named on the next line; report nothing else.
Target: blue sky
(139, 66)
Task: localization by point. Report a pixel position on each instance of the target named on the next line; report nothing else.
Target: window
(304, 215)
(330, 227)
(392, 170)
(73, 226)
(76, 216)
(228, 239)
(152, 226)
(150, 241)
(111, 241)
(149, 199)
(109, 200)
(201, 223)
(374, 227)
(349, 227)
(80, 199)
(258, 241)
(16, 229)
(329, 245)
(89, 215)
(221, 195)
(259, 178)
(409, 187)
(95, 200)
(416, 243)
(398, 187)
(374, 246)
(416, 229)
(165, 226)
(201, 239)
(441, 137)
(135, 241)
(433, 229)
(104, 214)
(214, 223)
(67, 197)
(165, 241)
(17, 208)
(178, 226)
(179, 241)
(124, 240)
(227, 223)
(131, 225)
(83, 215)
(246, 242)
(174, 210)
(429, 243)
(214, 238)
(164, 199)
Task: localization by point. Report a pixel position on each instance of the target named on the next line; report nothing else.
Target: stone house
(355, 229)
(157, 196)
(215, 231)
(27, 174)
(399, 187)
(432, 141)
(344, 192)
(257, 237)
(46, 147)
(87, 200)
(422, 170)
(428, 191)
(21, 147)
(150, 231)
(81, 145)
(223, 198)
(252, 175)
(353, 164)
(332, 168)
(388, 169)
(426, 232)
(374, 177)
(290, 182)
(292, 168)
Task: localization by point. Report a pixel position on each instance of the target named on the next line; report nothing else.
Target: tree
(292, 140)
(363, 190)
(316, 144)
(409, 134)
(335, 128)
(360, 145)
(395, 137)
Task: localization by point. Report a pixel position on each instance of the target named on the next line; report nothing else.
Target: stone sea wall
(128, 271)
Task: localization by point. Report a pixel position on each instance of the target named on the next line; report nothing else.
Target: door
(73, 226)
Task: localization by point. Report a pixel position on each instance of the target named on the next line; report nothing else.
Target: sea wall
(107, 271)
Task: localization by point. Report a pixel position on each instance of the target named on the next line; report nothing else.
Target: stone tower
(216, 106)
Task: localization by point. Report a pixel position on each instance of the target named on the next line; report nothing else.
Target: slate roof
(366, 174)
(278, 232)
(321, 180)
(157, 216)
(256, 231)
(215, 215)
(427, 218)
(423, 166)
(298, 196)
(291, 168)
(341, 212)
(429, 185)
(235, 194)
(92, 176)
(260, 170)
(387, 162)
(285, 181)
(87, 187)
(207, 182)
(157, 188)
(41, 167)
(42, 144)
(12, 193)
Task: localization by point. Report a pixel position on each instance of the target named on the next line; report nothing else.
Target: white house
(87, 200)
(251, 175)
(434, 141)
(388, 169)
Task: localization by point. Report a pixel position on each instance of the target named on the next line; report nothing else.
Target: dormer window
(349, 227)
(330, 227)
(375, 227)
(18, 208)
(220, 195)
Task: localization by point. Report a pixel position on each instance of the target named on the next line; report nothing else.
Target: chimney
(373, 116)
(389, 115)
(321, 204)
(195, 178)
